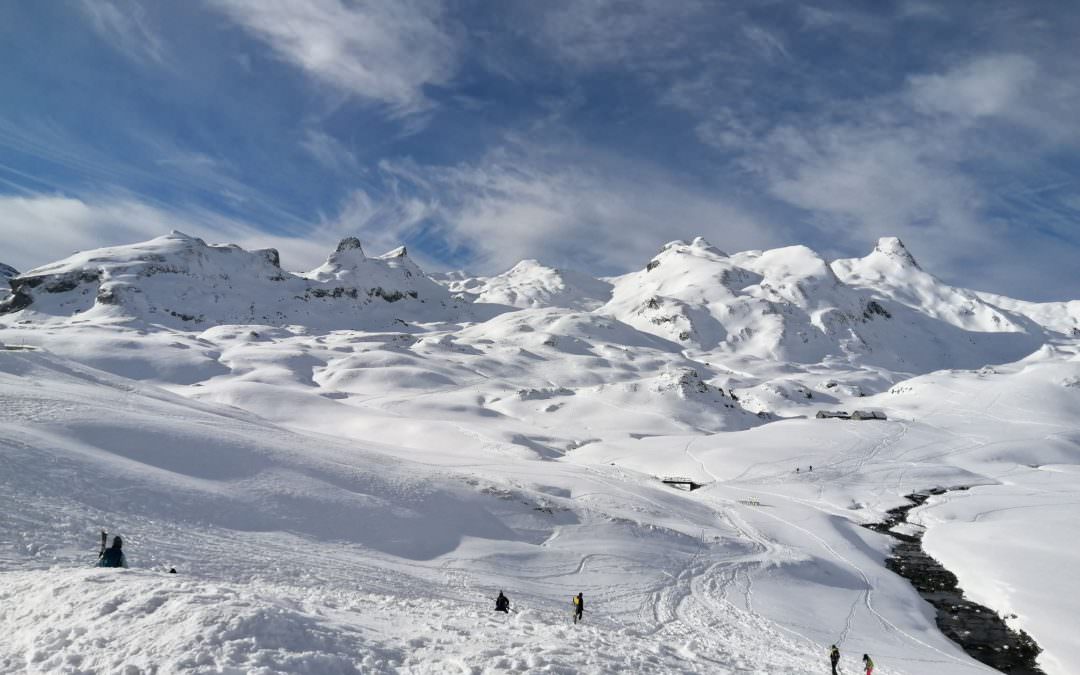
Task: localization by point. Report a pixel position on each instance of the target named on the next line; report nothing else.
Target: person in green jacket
(869, 663)
(113, 556)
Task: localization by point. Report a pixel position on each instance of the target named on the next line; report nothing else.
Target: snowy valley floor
(369, 529)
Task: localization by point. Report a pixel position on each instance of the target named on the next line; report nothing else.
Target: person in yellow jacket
(579, 607)
(869, 663)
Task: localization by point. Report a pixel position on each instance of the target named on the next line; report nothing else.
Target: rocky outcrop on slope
(181, 281)
(6, 273)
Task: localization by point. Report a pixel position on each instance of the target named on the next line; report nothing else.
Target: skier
(113, 556)
(811, 467)
(868, 663)
(502, 603)
(579, 607)
(834, 658)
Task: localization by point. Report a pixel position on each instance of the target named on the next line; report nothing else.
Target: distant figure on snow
(811, 467)
(869, 663)
(579, 607)
(113, 556)
(834, 658)
(796, 469)
(502, 603)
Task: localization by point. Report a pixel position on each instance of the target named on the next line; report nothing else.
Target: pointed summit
(347, 257)
(703, 244)
(892, 247)
(349, 244)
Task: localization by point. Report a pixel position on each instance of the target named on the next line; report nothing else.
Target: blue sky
(585, 134)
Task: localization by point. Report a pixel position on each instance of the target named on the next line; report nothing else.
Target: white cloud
(328, 151)
(989, 86)
(383, 51)
(575, 209)
(865, 182)
(601, 33)
(1038, 97)
(123, 24)
(769, 44)
(42, 228)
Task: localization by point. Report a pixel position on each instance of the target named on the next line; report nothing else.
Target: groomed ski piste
(345, 479)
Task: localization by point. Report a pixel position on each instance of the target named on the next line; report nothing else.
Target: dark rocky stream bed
(978, 630)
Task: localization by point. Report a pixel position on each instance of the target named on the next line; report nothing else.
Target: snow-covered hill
(346, 465)
(531, 284)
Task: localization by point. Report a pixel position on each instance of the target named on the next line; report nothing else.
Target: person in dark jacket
(579, 607)
(834, 658)
(502, 603)
(114, 555)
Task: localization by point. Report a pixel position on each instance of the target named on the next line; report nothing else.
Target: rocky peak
(349, 244)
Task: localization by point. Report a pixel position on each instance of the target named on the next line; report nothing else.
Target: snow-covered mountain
(790, 304)
(531, 284)
(346, 465)
(181, 281)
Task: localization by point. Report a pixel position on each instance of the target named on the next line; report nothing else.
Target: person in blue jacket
(114, 555)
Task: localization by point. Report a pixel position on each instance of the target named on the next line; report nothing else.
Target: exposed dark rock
(978, 630)
(16, 301)
(349, 244)
(391, 296)
(272, 256)
(336, 292)
(874, 308)
(653, 264)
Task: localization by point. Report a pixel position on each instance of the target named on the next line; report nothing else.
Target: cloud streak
(386, 52)
(42, 228)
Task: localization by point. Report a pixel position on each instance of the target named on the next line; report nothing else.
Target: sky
(583, 133)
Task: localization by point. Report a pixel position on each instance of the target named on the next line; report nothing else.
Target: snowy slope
(1061, 317)
(344, 483)
(180, 281)
(531, 284)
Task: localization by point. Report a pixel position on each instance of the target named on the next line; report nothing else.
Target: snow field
(351, 500)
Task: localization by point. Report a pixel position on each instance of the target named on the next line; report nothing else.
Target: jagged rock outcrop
(6, 273)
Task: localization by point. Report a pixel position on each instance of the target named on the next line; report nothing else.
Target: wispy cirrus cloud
(386, 52)
(328, 151)
(584, 211)
(125, 25)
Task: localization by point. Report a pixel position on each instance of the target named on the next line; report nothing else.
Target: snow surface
(344, 484)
